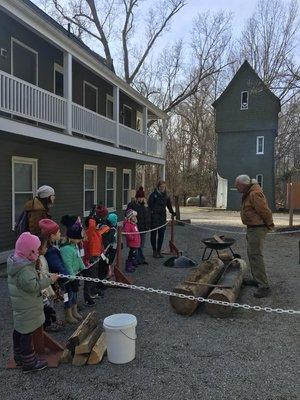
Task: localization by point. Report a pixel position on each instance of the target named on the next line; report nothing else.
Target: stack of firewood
(87, 344)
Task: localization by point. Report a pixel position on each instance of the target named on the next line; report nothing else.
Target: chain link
(181, 295)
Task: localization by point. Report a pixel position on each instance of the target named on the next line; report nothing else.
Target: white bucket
(120, 337)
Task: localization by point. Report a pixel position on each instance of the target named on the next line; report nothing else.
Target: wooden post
(291, 204)
(177, 208)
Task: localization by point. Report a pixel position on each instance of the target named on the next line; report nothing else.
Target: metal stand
(211, 251)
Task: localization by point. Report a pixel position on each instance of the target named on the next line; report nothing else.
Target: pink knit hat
(27, 246)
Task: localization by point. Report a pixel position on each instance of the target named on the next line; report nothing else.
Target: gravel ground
(248, 356)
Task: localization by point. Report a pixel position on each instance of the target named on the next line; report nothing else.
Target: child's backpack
(22, 224)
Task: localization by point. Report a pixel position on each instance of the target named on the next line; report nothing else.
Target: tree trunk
(207, 272)
(232, 276)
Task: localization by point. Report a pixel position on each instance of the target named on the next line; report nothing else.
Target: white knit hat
(45, 191)
(130, 213)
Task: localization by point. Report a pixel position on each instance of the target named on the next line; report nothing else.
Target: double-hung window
(89, 188)
(260, 180)
(110, 188)
(24, 184)
(260, 145)
(126, 187)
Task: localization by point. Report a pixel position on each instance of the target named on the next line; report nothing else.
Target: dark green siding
(237, 156)
(58, 166)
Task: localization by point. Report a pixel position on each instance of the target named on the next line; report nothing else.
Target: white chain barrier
(181, 295)
(150, 230)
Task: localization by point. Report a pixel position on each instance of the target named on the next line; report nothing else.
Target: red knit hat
(140, 193)
(48, 227)
(101, 211)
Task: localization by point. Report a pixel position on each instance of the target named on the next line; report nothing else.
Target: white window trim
(95, 169)
(59, 69)
(97, 94)
(22, 160)
(244, 108)
(257, 145)
(114, 170)
(129, 108)
(126, 171)
(262, 180)
(139, 115)
(111, 99)
(14, 40)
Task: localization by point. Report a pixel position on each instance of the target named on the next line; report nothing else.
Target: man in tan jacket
(257, 216)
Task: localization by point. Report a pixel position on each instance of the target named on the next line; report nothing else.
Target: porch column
(117, 113)
(68, 90)
(163, 172)
(145, 127)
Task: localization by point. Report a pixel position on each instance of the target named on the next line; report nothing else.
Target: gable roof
(243, 67)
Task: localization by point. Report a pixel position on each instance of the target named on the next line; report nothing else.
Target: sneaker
(262, 292)
(38, 366)
(89, 303)
(145, 262)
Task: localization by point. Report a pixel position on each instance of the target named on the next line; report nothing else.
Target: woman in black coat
(157, 203)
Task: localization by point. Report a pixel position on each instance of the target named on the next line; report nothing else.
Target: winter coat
(44, 270)
(25, 290)
(255, 210)
(35, 212)
(133, 240)
(72, 259)
(157, 203)
(143, 217)
(55, 261)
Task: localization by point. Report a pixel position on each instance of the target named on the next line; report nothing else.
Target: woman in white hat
(39, 208)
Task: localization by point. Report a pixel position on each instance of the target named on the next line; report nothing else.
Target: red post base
(45, 347)
(120, 277)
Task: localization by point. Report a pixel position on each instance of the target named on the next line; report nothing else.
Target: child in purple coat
(133, 238)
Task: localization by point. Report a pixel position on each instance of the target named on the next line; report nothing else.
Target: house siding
(61, 167)
(236, 155)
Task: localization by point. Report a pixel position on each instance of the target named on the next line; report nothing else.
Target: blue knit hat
(113, 219)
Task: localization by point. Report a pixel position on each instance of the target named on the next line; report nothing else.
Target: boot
(38, 366)
(69, 318)
(75, 313)
(129, 266)
(159, 255)
(155, 254)
(262, 292)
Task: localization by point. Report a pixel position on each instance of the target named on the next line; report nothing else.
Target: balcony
(22, 99)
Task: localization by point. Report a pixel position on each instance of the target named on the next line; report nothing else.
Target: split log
(207, 272)
(98, 351)
(218, 239)
(90, 322)
(225, 256)
(232, 276)
(88, 343)
(80, 359)
(66, 356)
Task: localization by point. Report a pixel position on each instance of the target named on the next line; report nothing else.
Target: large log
(98, 351)
(80, 359)
(88, 343)
(207, 272)
(232, 276)
(66, 356)
(90, 322)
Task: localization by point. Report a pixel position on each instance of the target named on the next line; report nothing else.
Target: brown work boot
(262, 292)
(69, 318)
(249, 282)
(75, 313)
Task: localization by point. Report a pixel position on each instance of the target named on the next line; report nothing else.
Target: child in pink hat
(25, 289)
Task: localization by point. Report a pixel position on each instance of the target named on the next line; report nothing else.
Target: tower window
(260, 145)
(260, 180)
(244, 100)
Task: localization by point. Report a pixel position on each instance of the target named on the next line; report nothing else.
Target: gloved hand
(173, 214)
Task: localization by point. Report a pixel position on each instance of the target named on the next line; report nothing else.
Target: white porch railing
(131, 138)
(89, 123)
(20, 98)
(26, 100)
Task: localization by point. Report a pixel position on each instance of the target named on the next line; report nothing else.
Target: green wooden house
(246, 118)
